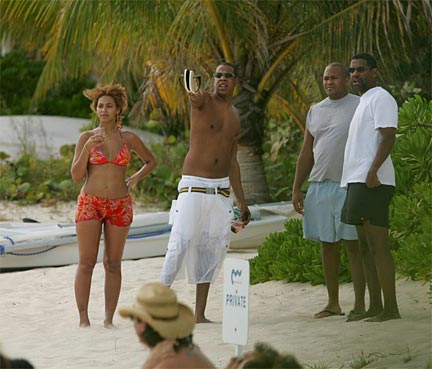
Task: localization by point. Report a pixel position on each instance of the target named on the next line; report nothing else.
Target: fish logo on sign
(235, 273)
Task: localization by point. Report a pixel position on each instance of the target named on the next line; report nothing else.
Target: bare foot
(355, 315)
(329, 310)
(84, 320)
(384, 316)
(368, 314)
(109, 325)
(359, 309)
(203, 320)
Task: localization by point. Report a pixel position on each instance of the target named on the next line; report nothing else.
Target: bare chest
(215, 120)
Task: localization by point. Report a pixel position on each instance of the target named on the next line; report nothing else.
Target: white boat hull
(29, 245)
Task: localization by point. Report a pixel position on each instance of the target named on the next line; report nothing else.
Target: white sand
(38, 318)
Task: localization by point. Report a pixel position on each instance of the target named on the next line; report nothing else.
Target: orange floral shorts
(117, 212)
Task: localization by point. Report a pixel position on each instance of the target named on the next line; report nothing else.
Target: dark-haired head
(343, 68)
(116, 91)
(369, 59)
(234, 68)
(152, 338)
(264, 356)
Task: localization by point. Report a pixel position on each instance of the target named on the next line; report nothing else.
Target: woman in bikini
(101, 159)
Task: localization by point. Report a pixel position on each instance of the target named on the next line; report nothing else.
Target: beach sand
(39, 321)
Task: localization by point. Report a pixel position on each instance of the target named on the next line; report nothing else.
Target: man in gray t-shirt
(321, 158)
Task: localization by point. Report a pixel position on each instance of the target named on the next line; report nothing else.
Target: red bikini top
(97, 157)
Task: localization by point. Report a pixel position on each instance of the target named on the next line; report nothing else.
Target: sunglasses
(227, 75)
(359, 69)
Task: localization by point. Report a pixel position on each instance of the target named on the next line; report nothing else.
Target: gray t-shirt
(329, 122)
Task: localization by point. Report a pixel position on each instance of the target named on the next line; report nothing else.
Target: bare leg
(359, 282)
(202, 290)
(378, 241)
(372, 281)
(115, 239)
(331, 266)
(88, 234)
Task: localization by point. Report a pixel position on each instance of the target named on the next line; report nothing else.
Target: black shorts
(364, 203)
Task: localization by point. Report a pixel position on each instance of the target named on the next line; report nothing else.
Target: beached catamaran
(29, 245)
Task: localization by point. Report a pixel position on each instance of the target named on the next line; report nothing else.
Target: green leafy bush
(414, 259)
(20, 73)
(289, 257)
(411, 232)
(411, 208)
(161, 186)
(67, 99)
(412, 152)
(409, 213)
(29, 180)
(281, 147)
(19, 77)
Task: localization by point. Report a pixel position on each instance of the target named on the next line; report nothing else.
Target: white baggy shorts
(200, 234)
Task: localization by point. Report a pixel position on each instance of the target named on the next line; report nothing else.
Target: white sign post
(236, 303)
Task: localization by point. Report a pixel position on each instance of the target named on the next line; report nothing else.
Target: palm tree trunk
(250, 149)
(253, 178)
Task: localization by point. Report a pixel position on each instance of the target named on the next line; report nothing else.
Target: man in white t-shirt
(368, 174)
(321, 158)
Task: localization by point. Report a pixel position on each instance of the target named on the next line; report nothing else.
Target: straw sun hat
(157, 305)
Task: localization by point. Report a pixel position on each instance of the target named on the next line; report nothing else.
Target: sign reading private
(236, 301)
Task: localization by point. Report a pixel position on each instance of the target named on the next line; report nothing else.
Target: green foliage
(402, 91)
(20, 73)
(161, 186)
(67, 99)
(289, 257)
(19, 77)
(31, 180)
(412, 152)
(281, 148)
(414, 259)
(410, 211)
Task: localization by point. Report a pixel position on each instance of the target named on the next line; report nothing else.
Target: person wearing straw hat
(165, 326)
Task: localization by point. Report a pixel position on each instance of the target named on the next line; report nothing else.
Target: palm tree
(280, 48)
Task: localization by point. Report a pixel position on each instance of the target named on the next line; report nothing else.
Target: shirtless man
(202, 214)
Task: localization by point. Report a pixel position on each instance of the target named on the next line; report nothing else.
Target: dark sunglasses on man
(227, 75)
(359, 69)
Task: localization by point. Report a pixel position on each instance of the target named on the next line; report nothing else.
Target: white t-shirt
(377, 109)
(328, 122)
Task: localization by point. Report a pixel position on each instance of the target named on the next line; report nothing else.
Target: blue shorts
(322, 213)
